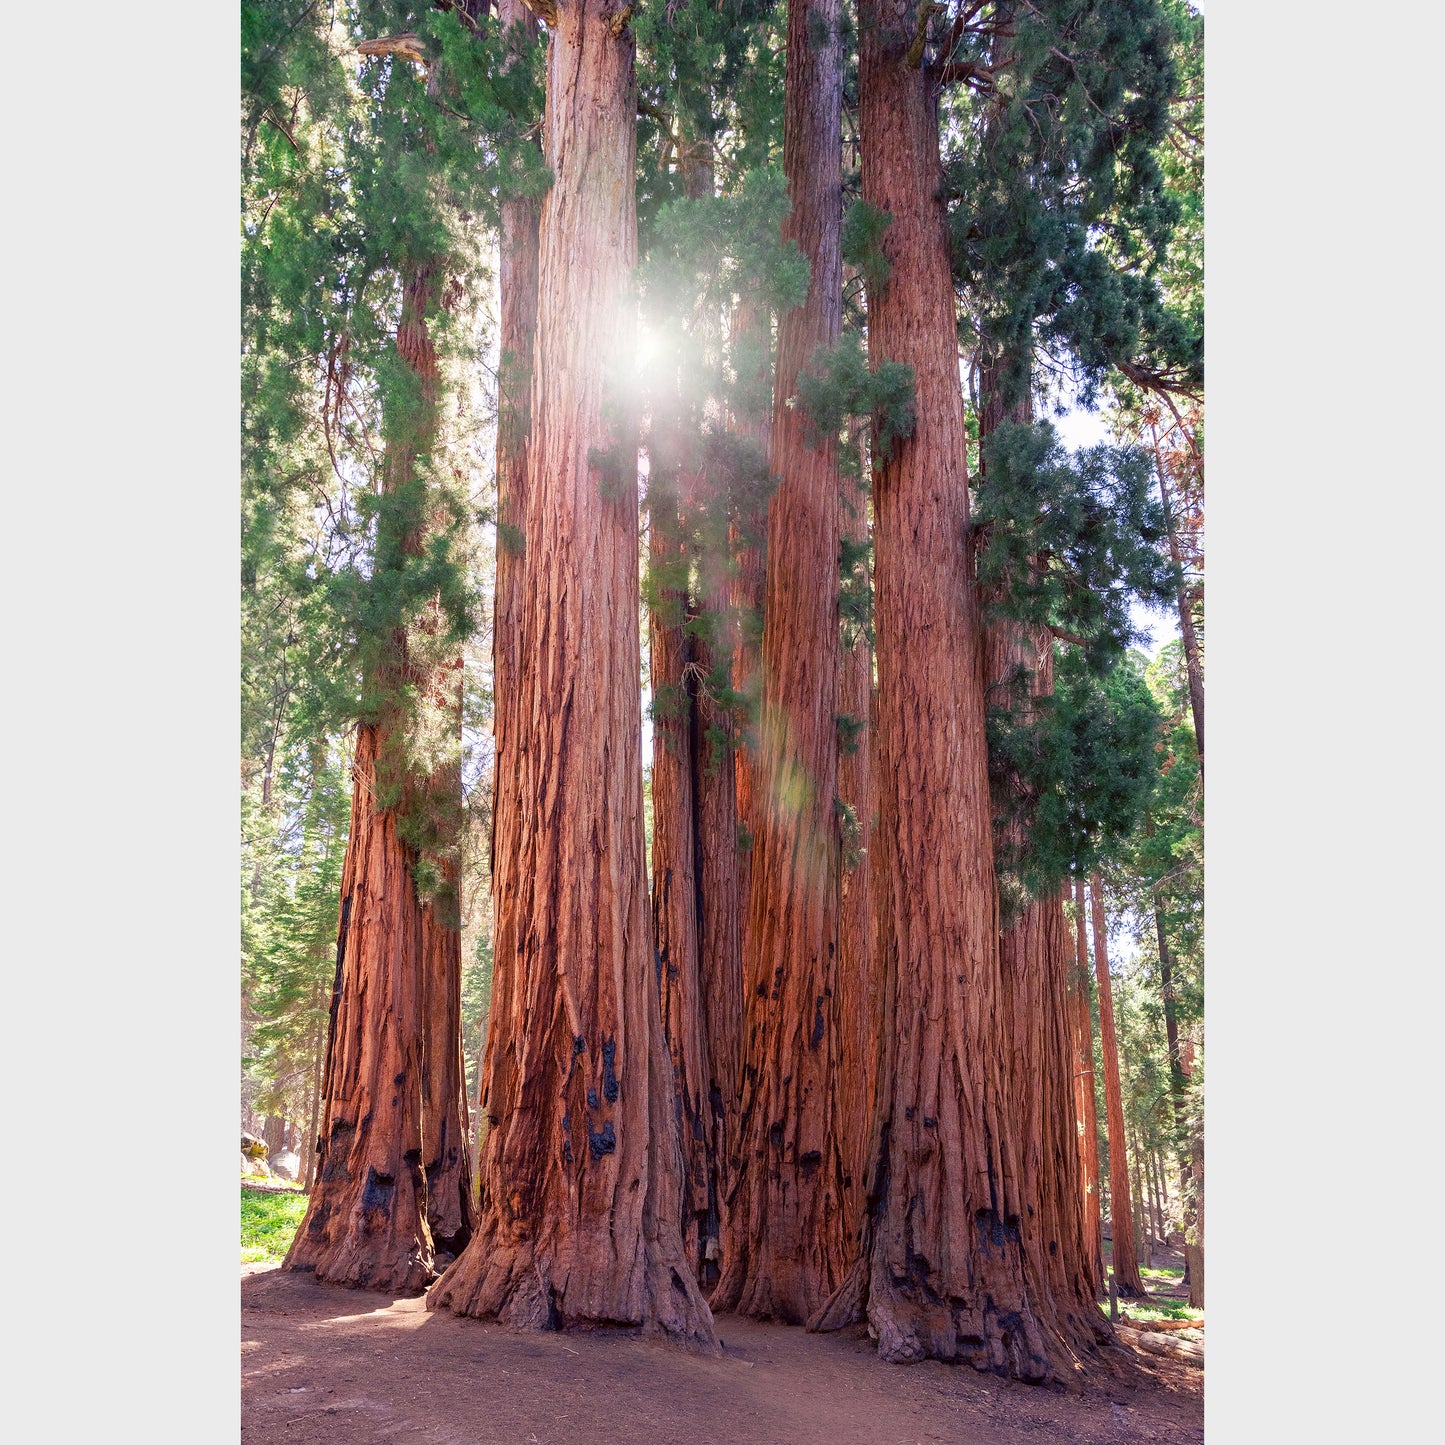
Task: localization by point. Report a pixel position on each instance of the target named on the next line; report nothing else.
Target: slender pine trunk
(1126, 1260)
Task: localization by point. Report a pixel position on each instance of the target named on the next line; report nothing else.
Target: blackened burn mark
(810, 1162)
(602, 1143)
(610, 1088)
(817, 1036)
(380, 1188)
(592, 1100)
(775, 1135)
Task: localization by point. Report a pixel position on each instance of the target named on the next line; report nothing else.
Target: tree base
(524, 1288)
(913, 1324)
(394, 1269)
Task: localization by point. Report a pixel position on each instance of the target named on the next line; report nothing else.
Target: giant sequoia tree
(393, 1182)
(786, 1243)
(580, 1202)
(836, 1062)
(943, 1271)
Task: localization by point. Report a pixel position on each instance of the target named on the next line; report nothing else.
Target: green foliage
(268, 1224)
(1070, 772)
(292, 851)
(839, 386)
(1068, 541)
(1060, 209)
(855, 591)
(366, 185)
(862, 242)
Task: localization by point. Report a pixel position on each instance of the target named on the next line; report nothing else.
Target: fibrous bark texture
(1126, 1257)
(748, 539)
(579, 1178)
(1036, 955)
(695, 899)
(365, 1221)
(446, 1144)
(676, 891)
(786, 1237)
(1085, 1108)
(518, 251)
(1036, 959)
(860, 993)
(393, 1113)
(943, 1275)
(720, 907)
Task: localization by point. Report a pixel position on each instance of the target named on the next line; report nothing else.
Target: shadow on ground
(320, 1363)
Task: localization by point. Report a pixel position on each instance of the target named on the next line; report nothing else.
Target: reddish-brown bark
(1036, 959)
(676, 893)
(365, 1221)
(786, 1246)
(518, 253)
(1085, 1108)
(720, 907)
(944, 1272)
(860, 992)
(446, 1144)
(393, 1106)
(695, 895)
(580, 1193)
(747, 538)
(1036, 956)
(1121, 1213)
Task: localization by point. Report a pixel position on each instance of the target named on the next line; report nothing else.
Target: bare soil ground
(323, 1364)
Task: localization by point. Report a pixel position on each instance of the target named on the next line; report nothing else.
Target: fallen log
(1160, 1344)
(1133, 1324)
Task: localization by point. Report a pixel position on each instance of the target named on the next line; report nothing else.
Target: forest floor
(325, 1364)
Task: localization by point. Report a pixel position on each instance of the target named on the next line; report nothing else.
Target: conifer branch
(407, 45)
(926, 12)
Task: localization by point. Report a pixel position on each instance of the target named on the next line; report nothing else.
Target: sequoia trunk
(720, 906)
(860, 996)
(676, 894)
(747, 537)
(580, 1170)
(944, 1271)
(1126, 1259)
(366, 1218)
(518, 255)
(1036, 961)
(446, 1148)
(365, 1221)
(786, 1242)
(694, 842)
(1085, 1110)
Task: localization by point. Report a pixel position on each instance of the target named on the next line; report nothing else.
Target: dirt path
(322, 1364)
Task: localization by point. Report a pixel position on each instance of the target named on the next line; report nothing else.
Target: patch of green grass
(1162, 1273)
(1158, 1308)
(268, 1222)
